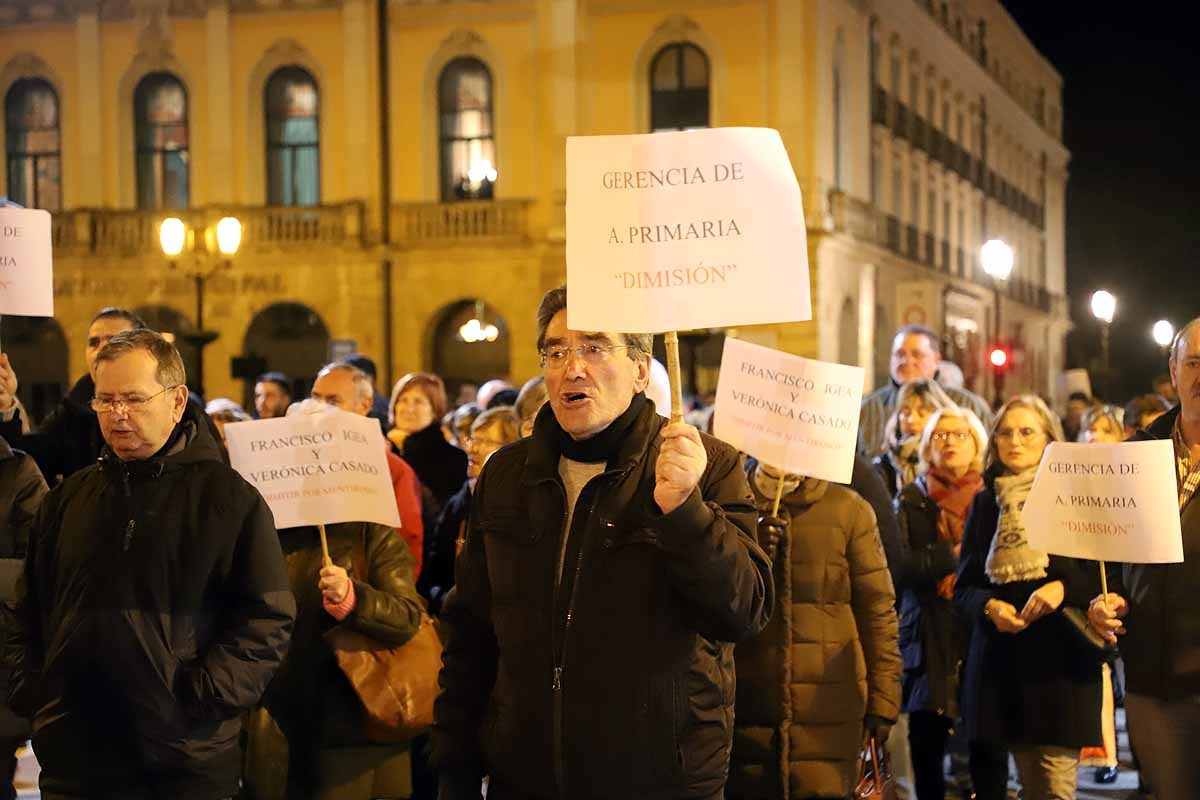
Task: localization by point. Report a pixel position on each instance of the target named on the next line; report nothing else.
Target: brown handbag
(874, 773)
(396, 684)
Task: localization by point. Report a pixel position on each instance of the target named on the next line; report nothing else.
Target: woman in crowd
(827, 663)
(418, 403)
(530, 400)
(915, 404)
(932, 511)
(1102, 424)
(222, 411)
(1031, 684)
(491, 430)
(369, 589)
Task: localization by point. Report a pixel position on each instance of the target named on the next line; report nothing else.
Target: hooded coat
(154, 609)
(828, 657)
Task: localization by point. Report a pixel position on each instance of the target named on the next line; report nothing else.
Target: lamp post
(997, 259)
(1163, 333)
(1104, 306)
(174, 238)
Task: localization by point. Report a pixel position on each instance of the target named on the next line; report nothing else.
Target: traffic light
(999, 358)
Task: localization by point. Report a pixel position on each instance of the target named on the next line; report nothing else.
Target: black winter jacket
(1162, 646)
(617, 682)
(439, 465)
(153, 612)
(441, 548)
(933, 633)
(1039, 686)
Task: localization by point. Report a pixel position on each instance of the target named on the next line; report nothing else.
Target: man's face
(337, 389)
(588, 394)
(136, 430)
(1167, 391)
(913, 358)
(1185, 374)
(99, 333)
(270, 400)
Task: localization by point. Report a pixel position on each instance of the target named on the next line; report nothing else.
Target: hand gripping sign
(316, 468)
(683, 230)
(795, 414)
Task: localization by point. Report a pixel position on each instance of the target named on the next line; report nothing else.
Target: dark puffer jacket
(620, 685)
(155, 609)
(827, 658)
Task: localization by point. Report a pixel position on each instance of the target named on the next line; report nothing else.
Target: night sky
(1132, 124)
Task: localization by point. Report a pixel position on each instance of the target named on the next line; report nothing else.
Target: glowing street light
(997, 259)
(229, 235)
(172, 235)
(1163, 333)
(1104, 306)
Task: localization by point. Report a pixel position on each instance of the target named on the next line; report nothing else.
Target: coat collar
(544, 452)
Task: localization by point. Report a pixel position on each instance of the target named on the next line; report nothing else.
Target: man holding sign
(1156, 603)
(609, 562)
(154, 607)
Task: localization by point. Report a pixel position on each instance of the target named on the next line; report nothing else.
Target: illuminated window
(161, 119)
(293, 139)
(468, 145)
(32, 145)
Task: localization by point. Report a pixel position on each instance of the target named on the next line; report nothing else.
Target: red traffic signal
(999, 358)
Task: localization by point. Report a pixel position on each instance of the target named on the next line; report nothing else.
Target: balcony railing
(135, 232)
(467, 221)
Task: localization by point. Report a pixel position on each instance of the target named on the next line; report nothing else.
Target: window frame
(271, 148)
(161, 153)
(34, 158)
(445, 139)
(680, 94)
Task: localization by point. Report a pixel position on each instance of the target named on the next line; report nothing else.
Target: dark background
(1132, 123)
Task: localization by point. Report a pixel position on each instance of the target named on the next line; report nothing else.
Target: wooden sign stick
(671, 342)
(778, 495)
(325, 559)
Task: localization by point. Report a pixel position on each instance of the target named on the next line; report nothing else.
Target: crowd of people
(630, 608)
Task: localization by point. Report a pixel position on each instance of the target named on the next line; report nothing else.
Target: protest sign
(1072, 381)
(315, 469)
(1106, 502)
(26, 265)
(682, 230)
(795, 414)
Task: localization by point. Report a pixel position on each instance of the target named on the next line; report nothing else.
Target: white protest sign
(316, 468)
(683, 230)
(792, 413)
(26, 265)
(1106, 502)
(1074, 380)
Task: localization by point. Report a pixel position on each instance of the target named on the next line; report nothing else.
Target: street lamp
(997, 259)
(1163, 333)
(173, 238)
(1104, 307)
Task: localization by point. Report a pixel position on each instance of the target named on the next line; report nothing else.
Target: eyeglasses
(593, 354)
(945, 436)
(130, 405)
(1011, 434)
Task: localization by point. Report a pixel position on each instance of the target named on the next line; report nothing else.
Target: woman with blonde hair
(915, 404)
(1031, 684)
(932, 512)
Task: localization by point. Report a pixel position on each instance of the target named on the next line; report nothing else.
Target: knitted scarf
(1011, 559)
(905, 459)
(953, 496)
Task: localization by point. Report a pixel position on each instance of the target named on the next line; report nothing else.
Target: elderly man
(69, 439)
(609, 563)
(916, 354)
(155, 606)
(1156, 603)
(349, 388)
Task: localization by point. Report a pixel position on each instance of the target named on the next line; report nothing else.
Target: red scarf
(953, 496)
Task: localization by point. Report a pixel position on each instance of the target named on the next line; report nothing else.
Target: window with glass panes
(679, 88)
(293, 138)
(468, 145)
(32, 144)
(161, 122)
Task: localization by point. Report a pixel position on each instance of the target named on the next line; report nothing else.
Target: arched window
(31, 136)
(160, 116)
(679, 80)
(468, 145)
(292, 108)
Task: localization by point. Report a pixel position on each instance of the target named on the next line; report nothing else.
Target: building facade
(399, 169)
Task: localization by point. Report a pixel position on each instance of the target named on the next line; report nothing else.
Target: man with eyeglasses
(154, 606)
(1156, 604)
(609, 564)
(347, 387)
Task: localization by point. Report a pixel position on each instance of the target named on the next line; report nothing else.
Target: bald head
(1185, 370)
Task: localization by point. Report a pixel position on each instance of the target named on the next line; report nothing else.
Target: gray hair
(364, 387)
(169, 370)
(1179, 344)
(555, 300)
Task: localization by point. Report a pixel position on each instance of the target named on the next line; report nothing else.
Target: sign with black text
(26, 263)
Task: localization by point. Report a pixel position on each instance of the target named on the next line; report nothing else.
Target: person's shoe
(1106, 774)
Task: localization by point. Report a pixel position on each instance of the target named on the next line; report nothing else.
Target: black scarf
(604, 445)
